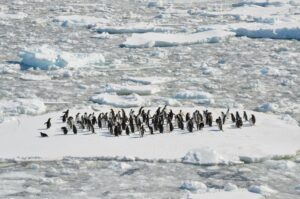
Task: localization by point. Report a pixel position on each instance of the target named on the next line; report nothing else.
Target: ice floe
(45, 57)
(126, 89)
(148, 80)
(194, 186)
(112, 99)
(148, 40)
(19, 106)
(267, 107)
(131, 28)
(79, 20)
(240, 193)
(209, 146)
(10, 16)
(199, 97)
(262, 189)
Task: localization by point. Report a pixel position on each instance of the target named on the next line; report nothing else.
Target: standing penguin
(245, 116)
(142, 130)
(127, 130)
(65, 130)
(220, 123)
(48, 123)
(74, 129)
(232, 118)
(150, 129)
(190, 125)
(253, 119)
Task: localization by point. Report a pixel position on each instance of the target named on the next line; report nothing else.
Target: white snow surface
(148, 40)
(269, 138)
(262, 189)
(148, 80)
(45, 57)
(131, 28)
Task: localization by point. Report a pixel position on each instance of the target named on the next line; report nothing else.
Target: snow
(19, 106)
(112, 99)
(34, 77)
(126, 89)
(45, 57)
(79, 20)
(263, 3)
(209, 146)
(230, 187)
(12, 16)
(148, 40)
(262, 189)
(131, 28)
(241, 193)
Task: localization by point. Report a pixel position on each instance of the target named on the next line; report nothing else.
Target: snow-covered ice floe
(45, 57)
(79, 20)
(112, 99)
(240, 193)
(148, 80)
(199, 97)
(269, 138)
(10, 16)
(19, 106)
(131, 28)
(148, 40)
(126, 89)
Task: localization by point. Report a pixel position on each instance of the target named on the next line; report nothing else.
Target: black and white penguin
(209, 119)
(232, 118)
(239, 122)
(65, 130)
(150, 129)
(220, 123)
(127, 130)
(74, 129)
(142, 130)
(253, 119)
(43, 134)
(48, 123)
(245, 116)
(190, 125)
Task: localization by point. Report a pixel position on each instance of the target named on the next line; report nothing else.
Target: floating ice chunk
(148, 80)
(263, 3)
(230, 187)
(270, 71)
(236, 194)
(297, 188)
(129, 89)
(194, 186)
(207, 156)
(200, 97)
(103, 35)
(172, 102)
(9, 16)
(45, 57)
(112, 99)
(148, 40)
(278, 30)
(22, 106)
(34, 77)
(280, 164)
(262, 189)
(79, 20)
(267, 107)
(120, 166)
(288, 119)
(131, 28)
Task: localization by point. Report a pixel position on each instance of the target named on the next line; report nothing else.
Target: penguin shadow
(42, 129)
(214, 130)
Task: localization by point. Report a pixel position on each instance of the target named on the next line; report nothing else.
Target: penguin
(127, 130)
(190, 125)
(171, 127)
(201, 125)
(160, 127)
(74, 129)
(99, 122)
(253, 119)
(209, 119)
(48, 123)
(220, 123)
(70, 122)
(65, 130)
(239, 123)
(64, 118)
(232, 118)
(187, 117)
(66, 113)
(142, 130)
(116, 131)
(245, 116)
(43, 134)
(150, 129)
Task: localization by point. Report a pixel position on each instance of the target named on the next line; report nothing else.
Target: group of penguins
(163, 120)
